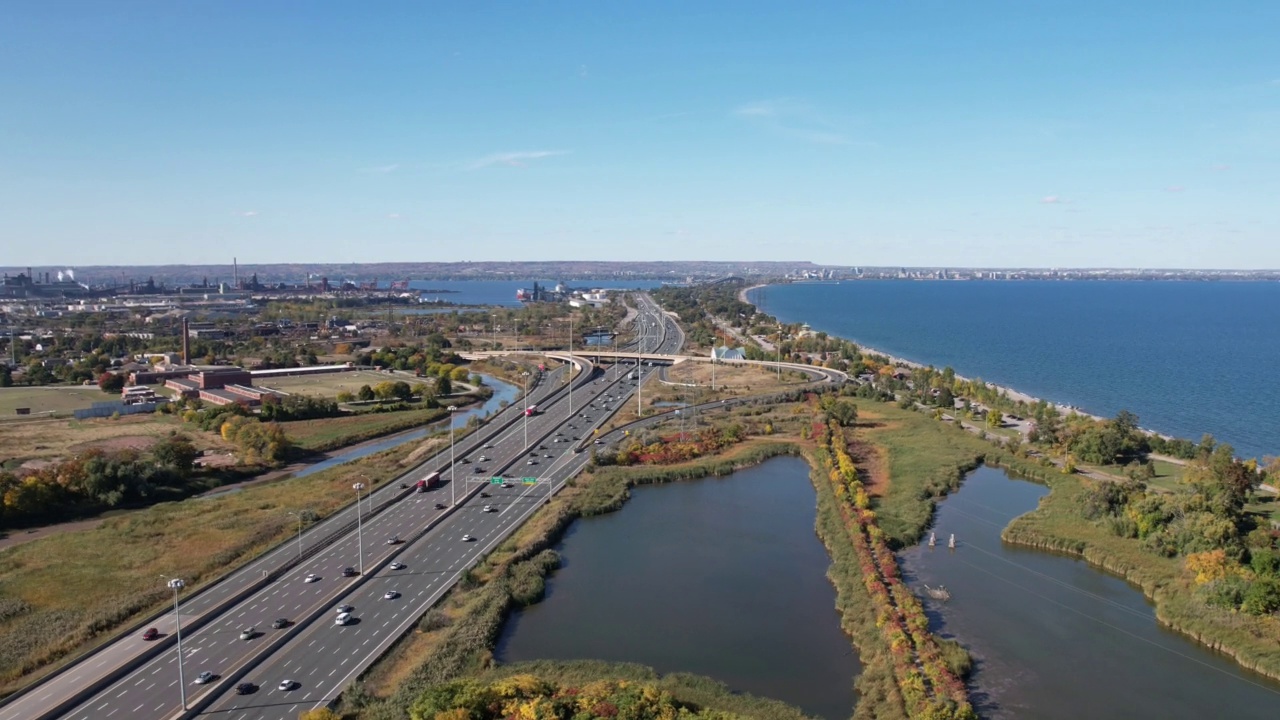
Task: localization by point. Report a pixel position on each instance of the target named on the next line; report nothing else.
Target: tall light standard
(493, 325)
(175, 585)
(299, 516)
(359, 526)
(571, 365)
(453, 471)
(524, 379)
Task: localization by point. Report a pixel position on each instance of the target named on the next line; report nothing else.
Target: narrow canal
(721, 577)
(503, 392)
(1054, 638)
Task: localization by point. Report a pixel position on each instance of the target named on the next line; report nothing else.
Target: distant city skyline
(934, 134)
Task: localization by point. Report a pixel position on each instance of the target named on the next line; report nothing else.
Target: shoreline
(1063, 409)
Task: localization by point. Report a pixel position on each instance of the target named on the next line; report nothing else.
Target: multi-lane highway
(313, 652)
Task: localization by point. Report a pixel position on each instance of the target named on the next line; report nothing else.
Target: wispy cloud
(513, 159)
(794, 119)
(1052, 200)
(246, 213)
(381, 169)
(393, 216)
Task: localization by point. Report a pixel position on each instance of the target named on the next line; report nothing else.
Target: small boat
(939, 593)
(952, 542)
(933, 539)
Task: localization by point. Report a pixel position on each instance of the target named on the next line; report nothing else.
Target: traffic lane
(514, 497)
(126, 649)
(289, 597)
(321, 658)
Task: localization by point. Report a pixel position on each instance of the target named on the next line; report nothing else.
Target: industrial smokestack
(235, 274)
(186, 341)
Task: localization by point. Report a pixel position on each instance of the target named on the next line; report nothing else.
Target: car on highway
(533, 462)
(439, 506)
(390, 595)
(487, 447)
(280, 623)
(342, 619)
(394, 540)
(396, 565)
(150, 634)
(484, 458)
(467, 538)
(248, 633)
(490, 508)
(599, 442)
(484, 494)
(349, 572)
(344, 608)
(466, 461)
(311, 577)
(547, 456)
(288, 684)
(204, 678)
(246, 688)
(506, 485)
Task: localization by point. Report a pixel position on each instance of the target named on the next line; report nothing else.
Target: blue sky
(932, 132)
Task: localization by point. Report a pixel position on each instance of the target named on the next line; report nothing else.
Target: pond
(722, 577)
(1053, 637)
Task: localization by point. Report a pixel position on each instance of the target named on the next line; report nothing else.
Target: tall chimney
(186, 341)
(235, 275)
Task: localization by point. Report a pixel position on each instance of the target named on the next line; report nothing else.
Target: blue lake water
(1187, 357)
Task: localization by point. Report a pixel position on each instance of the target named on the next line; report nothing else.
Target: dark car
(246, 688)
(280, 623)
(150, 634)
(484, 494)
(439, 506)
(349, 572)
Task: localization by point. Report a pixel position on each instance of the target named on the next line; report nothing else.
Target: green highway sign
(495, 481)
(529, 481)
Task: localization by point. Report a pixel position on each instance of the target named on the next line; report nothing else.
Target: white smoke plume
(71, 274)
(59, 276)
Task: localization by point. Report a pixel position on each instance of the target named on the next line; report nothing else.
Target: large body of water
(721, 577)
(1188, 358)
(1056, 639)
(503, 292)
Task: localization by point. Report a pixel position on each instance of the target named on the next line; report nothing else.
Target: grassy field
(58, 399)
(330, 384)
(67, 592)
(49, 438)
(332, 433)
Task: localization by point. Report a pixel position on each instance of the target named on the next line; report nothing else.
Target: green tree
(365, 393)
(177, 453)
(443, 385)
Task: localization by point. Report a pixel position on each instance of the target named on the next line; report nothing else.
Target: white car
(288, 684)
(311, 578)
(467, 538)
(344, 609)
(390, 595)
(483, 458)
(397, 565)
(342, 619)
(204, 677)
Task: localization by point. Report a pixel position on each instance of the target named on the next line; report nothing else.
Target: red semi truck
(428, 482)
(531, 410)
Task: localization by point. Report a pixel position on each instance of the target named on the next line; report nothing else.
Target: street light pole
(493, 325)
(524, 380)
(571, 366)
(299, 516)
(359, 527)
(176, 584)
(453, 468)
